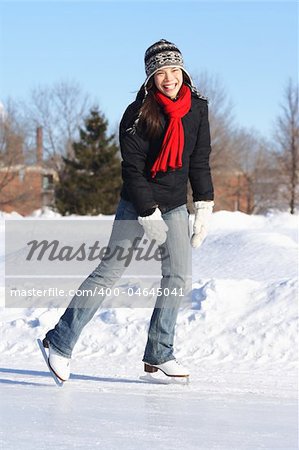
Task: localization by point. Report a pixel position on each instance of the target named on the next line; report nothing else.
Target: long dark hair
(150, 112)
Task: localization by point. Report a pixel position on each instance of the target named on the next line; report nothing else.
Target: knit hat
(163, 54)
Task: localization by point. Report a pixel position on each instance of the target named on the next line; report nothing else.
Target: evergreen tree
(89, 183)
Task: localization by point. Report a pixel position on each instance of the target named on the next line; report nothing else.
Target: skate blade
(169, 380)
(58, 382)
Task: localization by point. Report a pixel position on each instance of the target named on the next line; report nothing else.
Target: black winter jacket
(167, 189)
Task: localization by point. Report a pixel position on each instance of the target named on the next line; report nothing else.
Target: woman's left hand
(203, 214)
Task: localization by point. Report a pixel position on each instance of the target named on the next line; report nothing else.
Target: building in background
(28, 187)
(233, 191)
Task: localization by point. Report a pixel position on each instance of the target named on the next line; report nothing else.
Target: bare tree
(222, 127)
(9, 140)
(60, 111)
(287, 138)
(255, 162)
(221, 118)
(12, 155)
(247, 174)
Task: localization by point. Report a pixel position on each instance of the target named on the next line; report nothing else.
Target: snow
(239, 341)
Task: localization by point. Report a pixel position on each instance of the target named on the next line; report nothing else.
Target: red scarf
(171, 152)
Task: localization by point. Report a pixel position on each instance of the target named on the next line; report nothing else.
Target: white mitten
(154, 226)
(203, 213)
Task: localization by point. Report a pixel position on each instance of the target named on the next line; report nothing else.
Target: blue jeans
(159, 347)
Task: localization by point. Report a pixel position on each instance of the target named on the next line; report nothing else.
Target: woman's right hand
(154, 226)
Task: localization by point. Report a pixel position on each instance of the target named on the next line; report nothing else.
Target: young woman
(165, 140)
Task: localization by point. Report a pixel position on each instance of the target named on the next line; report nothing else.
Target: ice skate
(170, 368)
(59, 365)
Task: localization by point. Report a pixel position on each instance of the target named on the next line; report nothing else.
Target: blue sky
(250, 46)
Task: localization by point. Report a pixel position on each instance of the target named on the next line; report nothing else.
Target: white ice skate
(171, 368)
(59, 365)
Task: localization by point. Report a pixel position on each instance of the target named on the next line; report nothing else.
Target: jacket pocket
(165, 179)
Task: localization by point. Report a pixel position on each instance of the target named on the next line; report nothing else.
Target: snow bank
(244, 307)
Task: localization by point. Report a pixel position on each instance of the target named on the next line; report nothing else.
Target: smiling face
(169, 80)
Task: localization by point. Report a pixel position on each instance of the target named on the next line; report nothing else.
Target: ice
(238, 337)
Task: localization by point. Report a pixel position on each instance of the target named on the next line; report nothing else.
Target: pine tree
(89, 183)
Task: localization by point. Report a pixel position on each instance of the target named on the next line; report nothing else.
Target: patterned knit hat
(163, 54)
